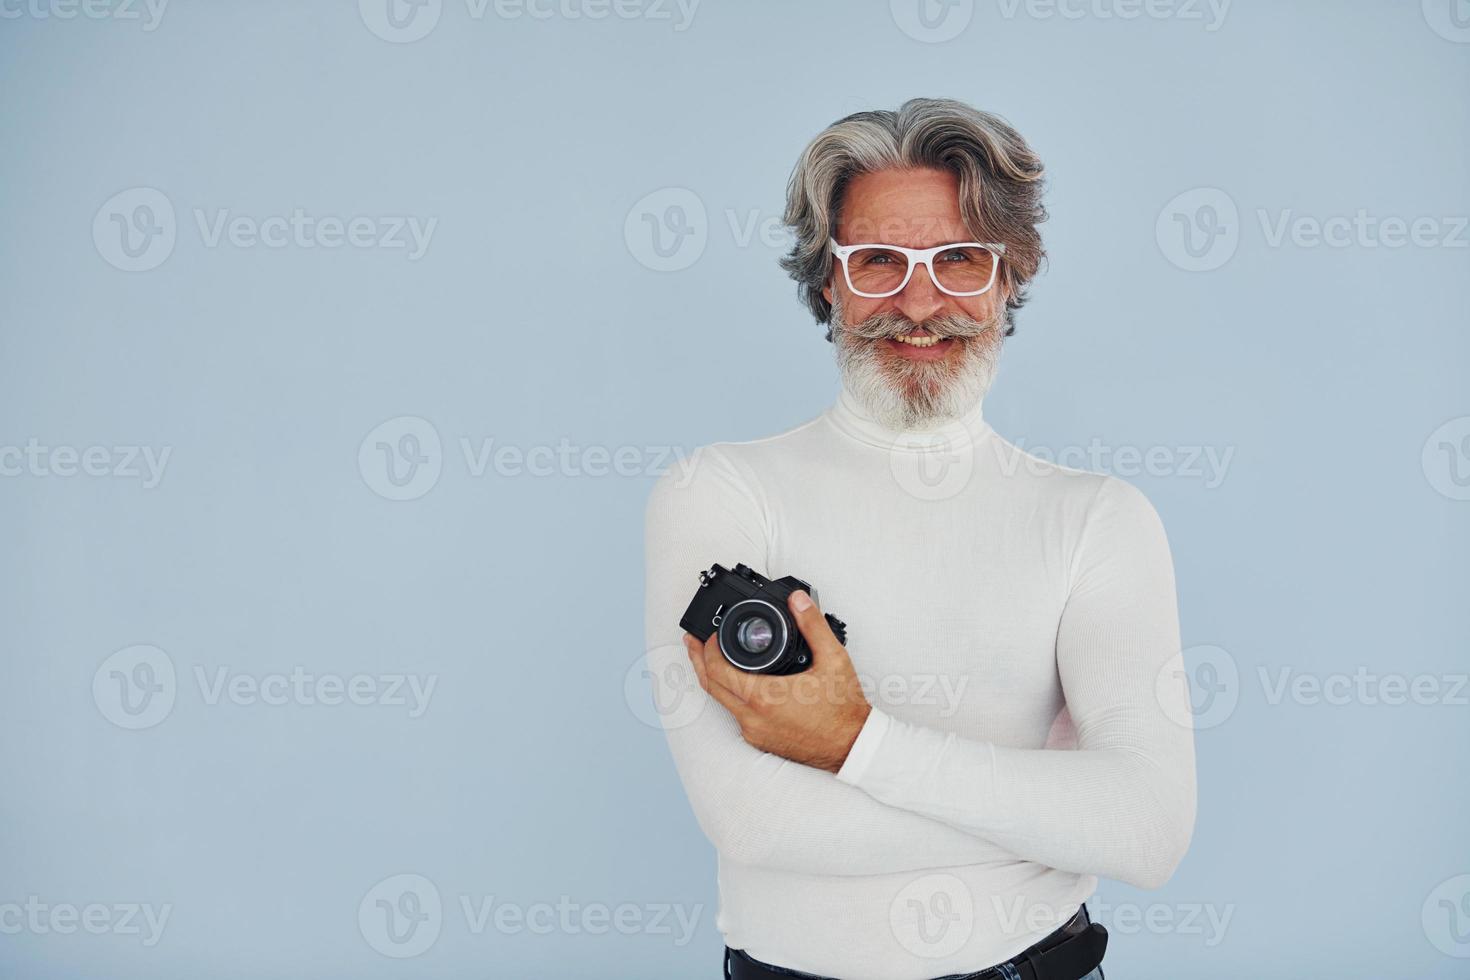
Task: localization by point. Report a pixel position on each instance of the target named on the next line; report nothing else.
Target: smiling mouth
(919, 340)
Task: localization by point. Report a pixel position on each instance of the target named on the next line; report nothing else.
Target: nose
(919, 299)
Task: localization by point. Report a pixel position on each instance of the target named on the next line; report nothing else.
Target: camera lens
(755, 635)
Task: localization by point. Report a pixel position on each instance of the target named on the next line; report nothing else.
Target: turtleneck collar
(854, 421)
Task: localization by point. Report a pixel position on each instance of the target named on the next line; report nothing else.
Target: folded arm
(1122, 804)
(755, 807)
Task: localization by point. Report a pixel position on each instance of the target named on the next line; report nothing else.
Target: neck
(850, 416)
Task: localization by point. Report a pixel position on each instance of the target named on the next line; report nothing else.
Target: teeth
(912, 341)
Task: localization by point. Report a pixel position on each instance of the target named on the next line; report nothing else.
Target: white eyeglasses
(959, 269)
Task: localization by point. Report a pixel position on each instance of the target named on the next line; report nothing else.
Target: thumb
(814, 626)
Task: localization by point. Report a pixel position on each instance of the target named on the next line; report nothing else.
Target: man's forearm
(1122, 813)
(758, 808)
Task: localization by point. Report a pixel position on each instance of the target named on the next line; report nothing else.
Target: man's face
(904, 384)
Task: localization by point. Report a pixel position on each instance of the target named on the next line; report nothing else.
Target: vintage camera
(756, 632)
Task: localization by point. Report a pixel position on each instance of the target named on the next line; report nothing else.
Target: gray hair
(999, 176)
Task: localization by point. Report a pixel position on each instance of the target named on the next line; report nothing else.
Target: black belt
(1070, 953)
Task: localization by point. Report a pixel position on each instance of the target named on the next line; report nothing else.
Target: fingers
(813, 626)
(720, 671)
(708, 677)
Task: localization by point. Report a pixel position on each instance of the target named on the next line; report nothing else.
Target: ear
(827, 291)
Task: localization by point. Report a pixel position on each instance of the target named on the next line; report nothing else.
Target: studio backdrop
(342, 343)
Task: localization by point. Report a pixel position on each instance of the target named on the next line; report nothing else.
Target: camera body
(748, 611)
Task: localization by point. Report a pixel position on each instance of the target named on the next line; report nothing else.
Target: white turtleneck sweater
(1016, 628)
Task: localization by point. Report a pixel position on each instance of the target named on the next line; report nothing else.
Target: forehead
(917, 208)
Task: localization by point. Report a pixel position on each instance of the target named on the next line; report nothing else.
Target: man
(1008, 719)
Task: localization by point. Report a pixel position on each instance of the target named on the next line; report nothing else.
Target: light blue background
(530, 319)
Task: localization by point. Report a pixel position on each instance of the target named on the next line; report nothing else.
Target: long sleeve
(1122, 804)
(755, 807)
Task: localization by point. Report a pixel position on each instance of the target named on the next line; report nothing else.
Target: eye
(956, 255)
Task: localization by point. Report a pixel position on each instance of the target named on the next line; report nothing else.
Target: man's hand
(812, 717)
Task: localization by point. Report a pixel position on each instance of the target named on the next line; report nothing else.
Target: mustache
(891, 324)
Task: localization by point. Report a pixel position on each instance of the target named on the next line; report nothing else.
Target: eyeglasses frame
(917, 257)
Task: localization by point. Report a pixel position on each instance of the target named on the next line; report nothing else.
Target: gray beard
(904, 394)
